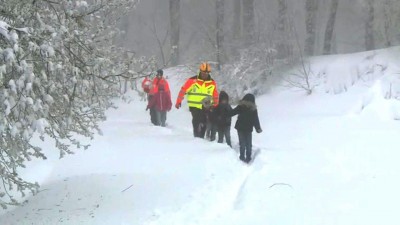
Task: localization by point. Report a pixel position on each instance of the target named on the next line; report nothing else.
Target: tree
(237, 22)
(369, 26)
(330, 27)
(220, 32)
(311, 22)
(282, 30)
(388, 22)
(58, 75)
(174, 17)
(248, 22)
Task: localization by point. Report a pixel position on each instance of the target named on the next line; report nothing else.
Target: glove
(177, 105)
(259, 130)
(147, 108)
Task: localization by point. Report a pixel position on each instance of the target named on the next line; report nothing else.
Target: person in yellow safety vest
(197, 88)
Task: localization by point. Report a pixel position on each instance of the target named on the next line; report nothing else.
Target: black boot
(248, 160)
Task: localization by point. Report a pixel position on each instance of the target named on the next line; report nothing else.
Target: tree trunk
(174, 17)
(282, 16)
(387, 22)
(237, 22)
(282, 30)
(220, 32)
(311, 22)
(248, 22)
(330, 26)
(369, 26)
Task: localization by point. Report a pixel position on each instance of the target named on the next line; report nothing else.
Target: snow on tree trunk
(248, 22)
(220, 32)
(330, 26)
(174, 17)
(311, 22)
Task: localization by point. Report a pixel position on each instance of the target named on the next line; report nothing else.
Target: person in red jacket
(161, 103)
(159, 80)
(153, 89)
(147, 86)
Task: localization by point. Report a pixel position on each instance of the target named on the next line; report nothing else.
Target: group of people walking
(211, 111)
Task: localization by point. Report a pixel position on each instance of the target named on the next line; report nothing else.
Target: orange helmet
(205, 67)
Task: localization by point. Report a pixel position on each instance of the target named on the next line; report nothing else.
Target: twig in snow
(127, 188)
(276, 184)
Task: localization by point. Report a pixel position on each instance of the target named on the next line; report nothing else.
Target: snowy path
(140, 174)
(319, 164)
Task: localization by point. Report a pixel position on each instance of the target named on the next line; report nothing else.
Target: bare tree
(161, 42)
(388, 25)
(220, 32)
(311, 22)
(237, 22)
(369, 26)
(330, 26)
(174, 15)
(302, 78)
(282, 31)
(248, 21)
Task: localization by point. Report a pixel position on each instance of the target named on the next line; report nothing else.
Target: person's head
(223, 97)
(160, 73)
(249, 98)
(205, 70)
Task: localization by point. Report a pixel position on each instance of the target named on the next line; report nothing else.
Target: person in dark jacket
(223, 119)
(247, 119)
(161, 103)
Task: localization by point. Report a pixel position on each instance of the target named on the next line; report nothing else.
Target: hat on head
(249, 98)
(160, 71)
(205, 67)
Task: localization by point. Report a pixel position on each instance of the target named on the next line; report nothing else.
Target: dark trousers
(211, 131)
(224, 132)
(153, 118)
(245, 139)
(160, 117)
(199, 122)
(152, 111)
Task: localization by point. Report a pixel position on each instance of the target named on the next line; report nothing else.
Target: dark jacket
(222, 111)
(247, 114)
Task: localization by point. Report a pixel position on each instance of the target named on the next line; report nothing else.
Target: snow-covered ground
(326, 159)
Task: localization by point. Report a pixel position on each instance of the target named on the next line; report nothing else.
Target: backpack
(146, 85)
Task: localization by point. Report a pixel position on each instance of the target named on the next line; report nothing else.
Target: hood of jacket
(223, 96)
(248, 101)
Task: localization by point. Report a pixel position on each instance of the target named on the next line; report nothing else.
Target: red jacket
(161, 101)
(157, 82)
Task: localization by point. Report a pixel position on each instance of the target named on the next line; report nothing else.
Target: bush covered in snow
(254, 70)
